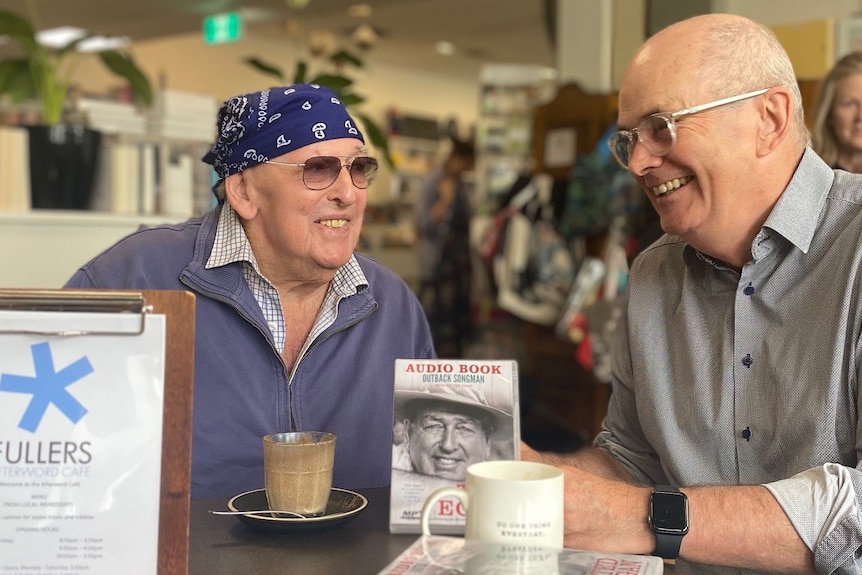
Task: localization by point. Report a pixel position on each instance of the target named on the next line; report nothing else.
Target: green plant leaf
(265, 67)
(19, 30)
(46, 81)
(123, 65)
(351, 99)
(342, 57)
(377, 137)
(335, 81)
(69, 48)
(300, 73)
(16, 80)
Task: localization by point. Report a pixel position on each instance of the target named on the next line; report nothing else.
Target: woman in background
(837, 134)
(443, 234)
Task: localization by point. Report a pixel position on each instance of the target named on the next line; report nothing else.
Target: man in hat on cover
(447, 429)
(293, 330)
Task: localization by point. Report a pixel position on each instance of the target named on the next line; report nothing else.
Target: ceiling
(483, 31)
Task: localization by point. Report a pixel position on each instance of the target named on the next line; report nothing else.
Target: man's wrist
(668, 519)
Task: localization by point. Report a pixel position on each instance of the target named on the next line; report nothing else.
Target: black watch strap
(667, 545)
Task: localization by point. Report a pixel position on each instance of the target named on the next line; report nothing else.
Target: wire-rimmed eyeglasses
(320, 172)
(658, 131)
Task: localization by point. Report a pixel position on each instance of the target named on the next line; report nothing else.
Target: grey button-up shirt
(751, 377)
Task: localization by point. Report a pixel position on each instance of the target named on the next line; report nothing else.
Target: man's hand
(530, 454)
(605, 514)
(604, 508)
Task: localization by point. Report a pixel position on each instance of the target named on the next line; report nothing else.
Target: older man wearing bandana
(294, 331)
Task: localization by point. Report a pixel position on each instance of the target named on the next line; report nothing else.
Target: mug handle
(457, 492)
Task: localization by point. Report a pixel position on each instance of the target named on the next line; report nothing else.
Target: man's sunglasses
(320, 172)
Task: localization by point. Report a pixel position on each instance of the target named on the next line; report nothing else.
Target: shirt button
(746, 434)
(747, 361)
(749, 289)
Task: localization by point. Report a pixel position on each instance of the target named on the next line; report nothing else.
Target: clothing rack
(569, 125)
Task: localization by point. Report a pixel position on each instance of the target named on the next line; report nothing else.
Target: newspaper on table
(448, 414)
(442, 555)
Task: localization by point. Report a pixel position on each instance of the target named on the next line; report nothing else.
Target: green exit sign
(221, 28)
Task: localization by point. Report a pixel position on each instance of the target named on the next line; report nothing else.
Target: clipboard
(178, 307)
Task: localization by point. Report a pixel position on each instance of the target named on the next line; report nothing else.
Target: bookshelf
(147, 162)
(508, 98)
(152, 175)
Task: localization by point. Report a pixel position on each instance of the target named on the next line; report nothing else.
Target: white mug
(508, 502)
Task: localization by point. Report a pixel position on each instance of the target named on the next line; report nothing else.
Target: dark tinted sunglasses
(320, 172)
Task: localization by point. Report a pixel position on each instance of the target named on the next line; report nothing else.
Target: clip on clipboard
(22, 301)
(178, 307)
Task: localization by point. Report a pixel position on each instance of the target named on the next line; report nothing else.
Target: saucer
(343, 506)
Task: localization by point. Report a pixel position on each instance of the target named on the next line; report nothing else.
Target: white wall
(44, 249)
(772, 12)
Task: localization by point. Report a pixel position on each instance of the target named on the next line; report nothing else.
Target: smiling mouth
(446, 462)
(333, 223)
(671, 185)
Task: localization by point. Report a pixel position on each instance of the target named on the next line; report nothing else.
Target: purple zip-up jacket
(343, 383)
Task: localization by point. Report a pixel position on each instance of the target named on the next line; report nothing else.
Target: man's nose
(343, 190)
(449, 442)
(642, 158)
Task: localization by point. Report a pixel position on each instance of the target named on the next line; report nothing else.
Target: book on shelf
(14, 169)
(178, 191)
(112, 117)
(183, 103)
(448, 414)
(184, 116)
(118, 185)
(143, 177)
(444, 555)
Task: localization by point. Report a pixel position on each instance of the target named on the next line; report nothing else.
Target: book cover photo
(448, 414)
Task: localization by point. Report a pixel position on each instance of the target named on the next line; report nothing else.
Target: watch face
(669, 513)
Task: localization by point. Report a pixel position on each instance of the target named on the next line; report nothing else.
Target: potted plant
(62, 155)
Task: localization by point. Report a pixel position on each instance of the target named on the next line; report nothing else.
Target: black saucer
(343, 506)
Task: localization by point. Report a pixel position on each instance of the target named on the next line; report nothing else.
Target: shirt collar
(799, 209)
(232, 245)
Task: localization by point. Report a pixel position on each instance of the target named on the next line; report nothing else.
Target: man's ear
(487, 446)
(775, 120)
(239, 191)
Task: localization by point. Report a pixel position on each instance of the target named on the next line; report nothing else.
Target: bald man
(732, 437)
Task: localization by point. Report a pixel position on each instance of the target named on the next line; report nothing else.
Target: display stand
(570, 124)
(178, 307)
(575, 117)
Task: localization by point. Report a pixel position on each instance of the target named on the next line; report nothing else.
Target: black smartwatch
(668, 518)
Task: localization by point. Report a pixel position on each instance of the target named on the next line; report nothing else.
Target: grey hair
(739, 56)
(823, 137)
(219, 191)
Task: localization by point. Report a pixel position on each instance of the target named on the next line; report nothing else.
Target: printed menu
(80, 443)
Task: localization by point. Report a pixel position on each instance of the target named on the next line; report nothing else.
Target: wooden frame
(178, 307)
(175, 499)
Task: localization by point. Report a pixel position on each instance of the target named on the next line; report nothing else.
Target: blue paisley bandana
(259, 126)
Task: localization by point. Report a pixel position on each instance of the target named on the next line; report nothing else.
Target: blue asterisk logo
(47, 387)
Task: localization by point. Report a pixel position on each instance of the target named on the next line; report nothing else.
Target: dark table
(223, 544)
